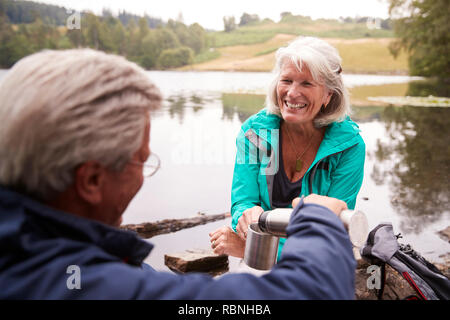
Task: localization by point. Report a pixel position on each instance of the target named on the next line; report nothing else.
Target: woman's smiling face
(299, 96)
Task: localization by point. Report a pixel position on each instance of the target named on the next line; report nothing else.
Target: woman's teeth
(295, 106)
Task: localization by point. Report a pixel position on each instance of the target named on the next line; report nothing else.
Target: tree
(229, 24)
(166, 38)
(143, 28)
(248, 19)
(150, 51)
(119, 37)
(172, 58)
(423, 28)
(197, 40)
(285, 14)
(14, 44)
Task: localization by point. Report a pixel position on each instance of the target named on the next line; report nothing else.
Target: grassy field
(365, 55)
(323, 28)
(252, 47)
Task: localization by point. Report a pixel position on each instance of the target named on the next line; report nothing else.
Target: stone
(197, 260)
(396, 287)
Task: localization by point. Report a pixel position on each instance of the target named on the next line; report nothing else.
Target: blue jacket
(39, 244)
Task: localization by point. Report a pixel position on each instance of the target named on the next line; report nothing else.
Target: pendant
(298, 165)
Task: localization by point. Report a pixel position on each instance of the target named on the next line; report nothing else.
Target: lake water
(407, 165)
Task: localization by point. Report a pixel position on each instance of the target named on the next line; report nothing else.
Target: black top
(284, 191)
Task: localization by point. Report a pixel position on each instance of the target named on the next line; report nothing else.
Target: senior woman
(303, 142)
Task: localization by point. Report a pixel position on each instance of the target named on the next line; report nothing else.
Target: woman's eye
(286, 81)
(306, 83)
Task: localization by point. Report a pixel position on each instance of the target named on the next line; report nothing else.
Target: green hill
(363, 47)
(364, 55)
(262, 31)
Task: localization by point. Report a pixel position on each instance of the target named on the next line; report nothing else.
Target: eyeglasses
(150, 166)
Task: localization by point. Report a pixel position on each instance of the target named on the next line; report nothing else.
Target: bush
(173, 58)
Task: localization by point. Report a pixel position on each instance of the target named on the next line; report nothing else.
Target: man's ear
(89, 180)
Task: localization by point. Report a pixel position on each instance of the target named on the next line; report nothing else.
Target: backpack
(425, 278)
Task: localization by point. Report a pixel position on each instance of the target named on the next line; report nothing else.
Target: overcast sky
(209, 13)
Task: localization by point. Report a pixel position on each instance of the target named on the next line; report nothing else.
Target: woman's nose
(295, 90)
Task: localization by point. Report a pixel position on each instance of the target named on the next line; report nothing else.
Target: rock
(445, 234)
(197, 260)
(395, 286)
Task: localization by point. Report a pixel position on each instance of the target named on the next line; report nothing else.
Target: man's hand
(335, 205)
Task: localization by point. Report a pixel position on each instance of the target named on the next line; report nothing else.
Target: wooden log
(150, 229)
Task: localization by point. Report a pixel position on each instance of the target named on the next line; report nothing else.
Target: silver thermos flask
(261, 246)
(355, 222)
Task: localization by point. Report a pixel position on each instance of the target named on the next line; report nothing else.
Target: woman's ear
(89, 179)
(327, 99)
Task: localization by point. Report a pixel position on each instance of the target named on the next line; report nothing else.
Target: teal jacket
(337, 170)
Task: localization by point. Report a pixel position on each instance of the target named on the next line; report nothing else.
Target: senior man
(74, 142)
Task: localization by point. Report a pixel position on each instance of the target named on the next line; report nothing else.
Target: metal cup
(260, 248)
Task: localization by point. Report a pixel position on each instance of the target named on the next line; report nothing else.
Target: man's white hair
(324, 63)
(60, 109)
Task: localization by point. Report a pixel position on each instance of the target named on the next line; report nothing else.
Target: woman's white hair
(60, 109)
(324, 63)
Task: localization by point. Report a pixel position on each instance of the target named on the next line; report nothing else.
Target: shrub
(173, 58)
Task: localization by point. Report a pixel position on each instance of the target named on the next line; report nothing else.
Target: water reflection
(413, 159)
(430, 87)
(244, 105)
(367, 114)
(176, 105)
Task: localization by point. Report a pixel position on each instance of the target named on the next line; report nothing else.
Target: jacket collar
(339, 136)
(21, 215)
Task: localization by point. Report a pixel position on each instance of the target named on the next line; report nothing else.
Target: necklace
(299, 161)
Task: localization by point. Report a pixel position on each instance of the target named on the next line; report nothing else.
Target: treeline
(27, 11)
(230, 24)
(19, 11)
(144, 40)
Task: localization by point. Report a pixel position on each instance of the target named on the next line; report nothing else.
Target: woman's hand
(225, 241)
(335, 205)
(248, 217)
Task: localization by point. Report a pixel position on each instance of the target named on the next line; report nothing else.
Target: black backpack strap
(380, 292)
